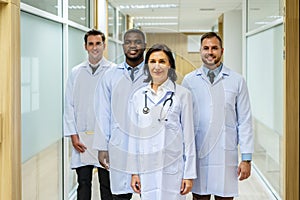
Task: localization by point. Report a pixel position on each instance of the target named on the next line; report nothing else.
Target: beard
(215, 62)
(136, 58)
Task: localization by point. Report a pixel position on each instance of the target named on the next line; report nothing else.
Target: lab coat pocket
(81, 121)
(173, 118)
(199, 136)
(230, 140)
(172, 126)
(230, 114)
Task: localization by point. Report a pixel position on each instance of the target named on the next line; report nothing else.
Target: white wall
(232, 40)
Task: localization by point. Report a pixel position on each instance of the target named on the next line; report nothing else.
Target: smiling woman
(161, 118)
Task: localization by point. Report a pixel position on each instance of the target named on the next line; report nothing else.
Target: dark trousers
(207, 197)
(84, 179)
(122, 196)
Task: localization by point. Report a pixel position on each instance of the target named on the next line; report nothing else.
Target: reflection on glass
(51, 6)
(77, 54)
(111, 21)
(266, 96)
(79, 12)
(261, 13)
(121, 26)
(41, 103)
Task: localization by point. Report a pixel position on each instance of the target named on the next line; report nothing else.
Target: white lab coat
(164, 150)
(79, 106)
(222, 120)
(113, 123)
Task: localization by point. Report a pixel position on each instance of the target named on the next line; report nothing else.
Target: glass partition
(51, 6)
(111, 21)
(265, 81)
(121, 25)
(262, 13)
(41, 107)
(79, 10)
(77, 54)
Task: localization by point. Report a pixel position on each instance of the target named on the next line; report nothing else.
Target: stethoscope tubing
(146, 109)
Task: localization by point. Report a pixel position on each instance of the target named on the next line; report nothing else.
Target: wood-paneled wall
(10, 132)
(177, 42)
(291, 103)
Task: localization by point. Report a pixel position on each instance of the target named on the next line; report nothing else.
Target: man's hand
(103, 158)
(77, 144)
(186, 186)
(244, 170)
(136, 183)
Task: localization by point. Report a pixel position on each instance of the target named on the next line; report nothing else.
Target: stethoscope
(146, 109)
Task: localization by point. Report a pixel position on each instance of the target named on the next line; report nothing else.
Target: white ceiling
(192, 15)
(198, 15)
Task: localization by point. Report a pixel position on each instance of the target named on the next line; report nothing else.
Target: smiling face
(95, 47)
(159, 66)
(211, 52)
(134, 47)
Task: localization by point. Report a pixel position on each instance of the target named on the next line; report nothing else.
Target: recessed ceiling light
(207, 9)
(158, 17)
(262, 23)
(156, 24)
(77, 7)
(145, 6)
(274, 17)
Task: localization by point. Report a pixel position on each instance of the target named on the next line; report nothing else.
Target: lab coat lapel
(201, 73)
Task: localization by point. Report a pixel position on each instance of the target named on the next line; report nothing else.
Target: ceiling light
(254, 9)
(262, 23)
(145, 6)
(156, 24)
(207, 9)
(275, 17)
(77, 7)
(150, 17)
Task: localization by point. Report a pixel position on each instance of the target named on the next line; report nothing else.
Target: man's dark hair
(94, 32)
(135, 31)
(211, 35)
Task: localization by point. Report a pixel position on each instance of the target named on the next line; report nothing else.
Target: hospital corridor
(237, 89)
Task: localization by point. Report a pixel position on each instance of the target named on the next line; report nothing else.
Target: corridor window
(263, 13)
(51, 6)
(111, 21)
(79, 12)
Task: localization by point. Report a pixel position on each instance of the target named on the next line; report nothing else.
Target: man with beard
(222, 123)
(112, 131)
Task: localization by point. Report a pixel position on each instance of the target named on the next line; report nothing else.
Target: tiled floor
(250, 189)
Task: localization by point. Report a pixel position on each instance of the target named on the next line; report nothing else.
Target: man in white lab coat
(79, 116)
(222, 123)
(111, 108)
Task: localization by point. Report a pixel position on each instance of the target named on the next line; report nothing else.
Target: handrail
(179, 68)
(176, 54)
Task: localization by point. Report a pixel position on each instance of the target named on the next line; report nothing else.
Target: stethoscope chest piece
(146, 110)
